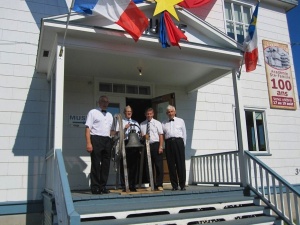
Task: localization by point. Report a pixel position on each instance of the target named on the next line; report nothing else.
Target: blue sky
(293, 17)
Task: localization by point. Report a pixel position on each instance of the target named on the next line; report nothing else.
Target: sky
(293, 17)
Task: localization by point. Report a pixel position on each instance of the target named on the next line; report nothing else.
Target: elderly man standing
(153, 128)
(99, 127)
(175, 140)
(132, 154)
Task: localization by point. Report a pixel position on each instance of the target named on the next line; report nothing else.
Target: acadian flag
(122, 12)
(250, 43)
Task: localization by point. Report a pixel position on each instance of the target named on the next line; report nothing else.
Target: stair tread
(191, 216)
(117, 205)
(249, 221)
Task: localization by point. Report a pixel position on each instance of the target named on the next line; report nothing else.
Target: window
(238, 18)
(125, 88)
(255, 122)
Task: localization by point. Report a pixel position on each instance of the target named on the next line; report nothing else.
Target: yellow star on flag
(168, 5)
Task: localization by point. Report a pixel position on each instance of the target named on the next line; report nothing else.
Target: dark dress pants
(100, 159)
(132, 159)
(175, 154)
(157, 165)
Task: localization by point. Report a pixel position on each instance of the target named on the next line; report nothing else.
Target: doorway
(138, 107)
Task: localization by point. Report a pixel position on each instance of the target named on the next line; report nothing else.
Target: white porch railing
(219, 168)
(272, 189)
(66, 213)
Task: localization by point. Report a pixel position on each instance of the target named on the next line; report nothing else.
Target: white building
(44, 94)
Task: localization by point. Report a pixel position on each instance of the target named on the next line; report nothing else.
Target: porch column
(59, 96)
(241, 126)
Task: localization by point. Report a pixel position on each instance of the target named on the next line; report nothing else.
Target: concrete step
(220, 217)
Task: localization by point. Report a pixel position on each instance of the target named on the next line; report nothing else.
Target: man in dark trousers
(132, 154)
(153, 128)
(99, 128)
(175, 140)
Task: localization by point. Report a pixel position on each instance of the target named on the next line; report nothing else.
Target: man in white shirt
(132, 154)
(153, 128)
(98, 129)
(175, 140)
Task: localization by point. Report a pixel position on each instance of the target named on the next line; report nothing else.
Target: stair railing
(271, 188)
(66, 213)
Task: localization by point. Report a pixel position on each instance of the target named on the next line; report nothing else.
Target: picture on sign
(279, 75)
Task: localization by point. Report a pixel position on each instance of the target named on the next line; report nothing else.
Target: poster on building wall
(279, 75)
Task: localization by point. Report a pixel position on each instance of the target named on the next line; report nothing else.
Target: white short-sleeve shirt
(99, 123)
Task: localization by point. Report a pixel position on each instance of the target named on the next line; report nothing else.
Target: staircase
(196, 205)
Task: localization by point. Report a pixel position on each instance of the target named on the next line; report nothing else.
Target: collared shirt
(99, 123)
(174, 129)
(130, 121)
(155, 129)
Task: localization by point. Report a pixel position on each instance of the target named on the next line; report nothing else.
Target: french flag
(122, 12)
(250, 43)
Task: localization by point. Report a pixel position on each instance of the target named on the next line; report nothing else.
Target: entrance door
(159, 104)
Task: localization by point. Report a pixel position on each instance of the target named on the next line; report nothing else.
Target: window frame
(245, 25)
(266, 139)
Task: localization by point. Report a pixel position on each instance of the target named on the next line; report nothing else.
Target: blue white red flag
(122, 12)
(250, 43)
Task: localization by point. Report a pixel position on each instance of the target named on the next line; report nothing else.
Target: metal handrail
(271, 188)
(66, 213)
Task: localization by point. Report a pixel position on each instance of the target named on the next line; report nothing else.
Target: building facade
(45, 96)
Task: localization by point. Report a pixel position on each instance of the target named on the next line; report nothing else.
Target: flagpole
(68, 20)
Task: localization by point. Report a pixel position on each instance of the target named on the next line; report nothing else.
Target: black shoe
(183, 189)
(174, 188)
(105, 191)
(133, 189)
(96, 192)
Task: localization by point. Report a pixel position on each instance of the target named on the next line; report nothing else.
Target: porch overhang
(96, 51)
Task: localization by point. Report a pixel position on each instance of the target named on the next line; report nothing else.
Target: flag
(171, 31)
(122, 12)
(163, 33)
(250, 43)
(193, 3)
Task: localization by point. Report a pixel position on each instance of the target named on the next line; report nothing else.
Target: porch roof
(95, 47)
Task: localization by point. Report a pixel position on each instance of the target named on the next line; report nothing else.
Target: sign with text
(279, 75)
(77, 120)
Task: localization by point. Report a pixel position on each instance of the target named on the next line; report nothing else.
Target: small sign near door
(77, 120)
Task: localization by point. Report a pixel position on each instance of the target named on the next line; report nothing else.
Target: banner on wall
(279, 75)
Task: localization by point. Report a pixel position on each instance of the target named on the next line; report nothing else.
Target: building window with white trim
(238, 17)
(256, 132)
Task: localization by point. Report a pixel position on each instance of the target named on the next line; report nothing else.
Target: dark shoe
(105, 191)
(183, 189)
(133, 189)
(96, 192)
(174, 188)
